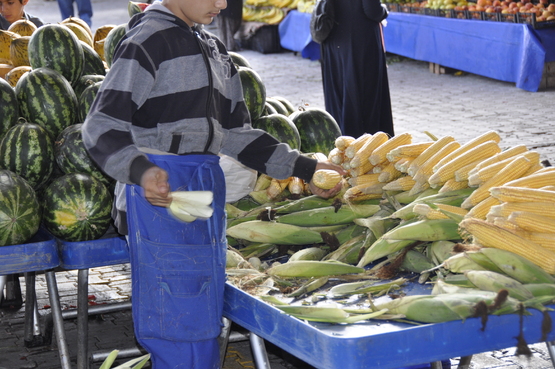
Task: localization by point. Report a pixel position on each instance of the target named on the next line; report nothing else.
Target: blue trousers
(178, 269)
(84, 9)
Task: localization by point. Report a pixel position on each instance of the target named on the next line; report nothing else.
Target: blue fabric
(178, 268)
(503, 51)
(294, 34)
(84, 9)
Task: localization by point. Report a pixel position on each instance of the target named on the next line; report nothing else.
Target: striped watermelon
(278, 106)
(239, 60)
(56, 47)
(254, 91)
(19, 210)
(28, 151)
(286, 103)
(9, 110)
(86, 99)
(46, 97)
(281, 127)
(85, 81)
(72, 157)
(317, 128)
(93, 62)
(76, 207)
(112, 40)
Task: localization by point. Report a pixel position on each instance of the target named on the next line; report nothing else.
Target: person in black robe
(228, 23)
(354, 71)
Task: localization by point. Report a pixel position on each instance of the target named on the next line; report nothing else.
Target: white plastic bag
(239, 179)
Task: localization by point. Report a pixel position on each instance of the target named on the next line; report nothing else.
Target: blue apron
(178, 268)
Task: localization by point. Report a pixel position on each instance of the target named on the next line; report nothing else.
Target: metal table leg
(551, 352)
(223, 339)
(464, 362)
(82, 319)
(259, 353)
(58, 319)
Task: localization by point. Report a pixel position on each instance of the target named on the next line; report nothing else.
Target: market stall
(505, 51)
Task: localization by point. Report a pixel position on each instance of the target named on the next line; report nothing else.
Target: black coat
(354, 71)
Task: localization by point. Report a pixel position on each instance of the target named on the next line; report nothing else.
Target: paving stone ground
(462, 106)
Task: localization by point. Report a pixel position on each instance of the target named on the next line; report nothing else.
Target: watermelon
(19, 209)
(28, 151)
(9, 110)
(85, 81)
(112, 40)
(86, 99)
(93, 62)
(281, 127)
(45, 97)
(56, 47)
(72, 156)
(134, 7)
(76, 207)
(268, 109)
(286, 103)
(254, 91)
(239, 60)
(317, 128)
(278, 106)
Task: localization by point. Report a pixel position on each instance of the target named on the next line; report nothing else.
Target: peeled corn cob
(336, 156)
(453, 185)
(505, 209)
(536, 180)
(426, 230)
(362, 169)
(364, 152)
(425, 170)
(389, 173)
(503, 155)
(403, 183)
(276, 187)
(439, 213)
(481, 209)
(533, 222)
(463, 173)
(368, 179)
(428, 153)
(490, 235)
(296, 186)
(507, 193)
(379, 154)
(409, 150)
(364, 192)
(262, 182)
(354, 147)
(403, 164)
(487, 172)
(326, 178)
(342, 142)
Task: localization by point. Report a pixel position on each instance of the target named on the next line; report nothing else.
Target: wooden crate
(548, 76)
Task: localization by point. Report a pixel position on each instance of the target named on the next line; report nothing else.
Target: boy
(171, 102)
(12, 10)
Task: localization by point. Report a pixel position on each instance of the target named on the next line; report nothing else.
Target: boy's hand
(331, 192)
(156, 187)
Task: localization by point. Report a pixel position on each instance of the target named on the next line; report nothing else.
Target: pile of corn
(463, 216)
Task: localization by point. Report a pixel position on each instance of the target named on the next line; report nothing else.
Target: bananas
(266, 14)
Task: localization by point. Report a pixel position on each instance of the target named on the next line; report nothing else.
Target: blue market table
(509, 52)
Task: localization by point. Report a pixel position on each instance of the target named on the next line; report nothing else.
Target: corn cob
(513, 170)
(534, 169)
(262, 182)
(349, 250)
(454, 198)
(403, 164)
(354, 147)
(296, 186)
(342, 142)
(507, 193)
(364, 192)
(416, 262)
(490, 235)
(309, 253)
(509, 226)
(534, 180)
(440, 213)
(533, 222)
(304, 203)
(477, 141)
(364, 287)
(311, 268)
(365, 179)
(276, 187)
(406, 151)
(327, 314)
(439, 251)
(428, 153)
(362, 155)
(403, 183)
(365, 168)
(453, 185)
(309, 286)
(505, 209)
(406, 197)
(462, 174)
(481, 209)
(484, 261)
(389, 173)
(328, 215)
(425, 170)
(541, 289)
(319, 156)
(487, 172)
(459, 263)
(382, 247)
(517, 267)
(273, 232)
(503, 155)
(336, 156)
(445, 170)
(326, 178)
(426, 230)
(491, 281)
(257, 250)
(419, 186)
(546, 169)
(379, 154)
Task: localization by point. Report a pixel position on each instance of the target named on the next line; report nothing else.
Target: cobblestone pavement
(462, 106)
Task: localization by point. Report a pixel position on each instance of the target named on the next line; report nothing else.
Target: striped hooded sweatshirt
(174, 89)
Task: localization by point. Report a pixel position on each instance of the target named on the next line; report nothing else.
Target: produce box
(530, 18)
(511, 18)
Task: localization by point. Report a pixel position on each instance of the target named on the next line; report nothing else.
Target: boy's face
(195, 11)
(12, 10)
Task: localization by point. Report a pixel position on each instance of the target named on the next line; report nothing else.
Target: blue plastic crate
(95, 253)
(40, 253)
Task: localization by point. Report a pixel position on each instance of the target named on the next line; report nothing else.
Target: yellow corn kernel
(430, 213)
(510, 226)
(276, 187)
(262, 182)
(506, 208)
(389, 173)
(367, 179)
(490, 235)
(326, 178)
(485, 137)
(503, 155)
(481, 210)
(513, 170)
(485, 173)
(534, 180)
(447, 170)
(548, 188)
(533, 169)
(546, 169)
(362, 155)
(544, 239)
(428, 153)
(419, 187)
(403, 164)
(404, 183)
(425, 170)
(533, 222)
(364, 192)
(353, 148)
(336, 156)
(379, 154)
(462, 174)
(452, 185)
(296, 186)
(363, 169)
(319, 156)
(407, 151)
(507, 193)
(342, 142)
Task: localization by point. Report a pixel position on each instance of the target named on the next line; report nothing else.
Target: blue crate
(96, 253)
(40, 253)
